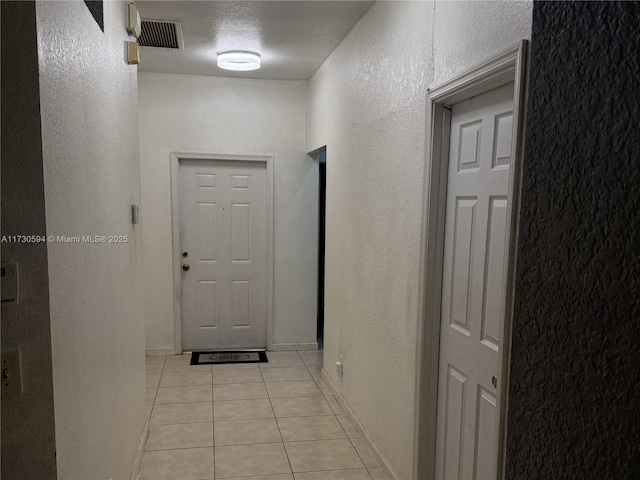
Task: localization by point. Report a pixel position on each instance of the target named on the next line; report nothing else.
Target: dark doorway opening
(322, 195)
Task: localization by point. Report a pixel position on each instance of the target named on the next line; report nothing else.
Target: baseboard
(282, 347)
(150, 352)
(135, 474)
(382, 461)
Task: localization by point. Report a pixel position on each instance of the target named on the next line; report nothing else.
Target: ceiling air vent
(161, 34)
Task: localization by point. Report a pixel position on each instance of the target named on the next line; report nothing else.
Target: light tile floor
(267, 421)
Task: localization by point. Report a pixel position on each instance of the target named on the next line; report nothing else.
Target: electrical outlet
(11, 375)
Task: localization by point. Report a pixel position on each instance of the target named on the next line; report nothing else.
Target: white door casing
(223, 230)
(507, 67)
(473, 284)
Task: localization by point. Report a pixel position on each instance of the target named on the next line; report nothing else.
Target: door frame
(176, 157)
(508, 66)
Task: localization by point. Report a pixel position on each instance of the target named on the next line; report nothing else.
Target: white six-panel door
(473, 285)
(223, 230)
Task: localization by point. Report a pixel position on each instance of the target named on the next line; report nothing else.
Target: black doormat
(208, 358)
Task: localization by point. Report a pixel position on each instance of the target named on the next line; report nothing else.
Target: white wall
(91, 177)
(367, 104)
(188, 113)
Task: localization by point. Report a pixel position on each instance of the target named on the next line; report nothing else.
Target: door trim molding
(508, 66)
(175, 227)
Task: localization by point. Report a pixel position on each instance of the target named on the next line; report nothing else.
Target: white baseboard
(282, 347)
(150, 352)
(382, 461)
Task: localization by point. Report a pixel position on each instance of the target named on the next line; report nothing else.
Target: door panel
(207, 227)
(240, 232)
(454, 426)
(485, 435)
(473, 286)
(223, 229)
(208, 304)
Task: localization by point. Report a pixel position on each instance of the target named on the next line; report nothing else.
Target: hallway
(96, 123)
(271, 421)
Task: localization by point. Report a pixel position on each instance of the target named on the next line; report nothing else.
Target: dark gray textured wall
(574, 402)
(28, 434)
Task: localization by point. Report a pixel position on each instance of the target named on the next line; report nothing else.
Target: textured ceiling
(293, 37)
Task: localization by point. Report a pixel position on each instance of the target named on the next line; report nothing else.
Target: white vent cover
(161, 34)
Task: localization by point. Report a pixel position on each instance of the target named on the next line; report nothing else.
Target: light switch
(11, 376)
(133, 53)
(135, 214)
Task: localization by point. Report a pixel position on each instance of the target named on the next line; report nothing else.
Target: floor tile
(365, 454)
(286, 476)
(323, 387)
(293, 389)
(186, 435)
(186, 368)
(233, 367)
(300, 407)
(309, 361)
(151, 395)
(310, 428)
(187, 394)
(153, 368)
(335, 406)
(285, 374)
(349, 428)
(242, 409)
(148, 411)
(353, 474)
(155, 360)
(311, 358)
(245, 460)
(239, 391)
(178, 360)
(181, 379)
(152, 380)
(185, 464)
(182, 413)
(246, 432)
(322, 455)
(282, 353)
(280, 361)
(181, 363)
(311, 353)
(242, 375)
(377, 473)
(316, 373)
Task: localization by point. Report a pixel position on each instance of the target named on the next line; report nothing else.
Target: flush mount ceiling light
(238, 60)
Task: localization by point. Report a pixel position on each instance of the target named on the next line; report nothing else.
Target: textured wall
(468, 32)
(190, 113)
(91, 176)
(367, 105)
(28, 435)
(575, 382)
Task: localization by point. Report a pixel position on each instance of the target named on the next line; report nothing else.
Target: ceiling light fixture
(238, 60)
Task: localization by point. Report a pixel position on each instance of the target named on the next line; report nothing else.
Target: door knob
(185, 267)
(494, 381)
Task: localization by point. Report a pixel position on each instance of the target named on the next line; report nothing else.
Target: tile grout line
(277, 424)
(270, 398)
(336, 417)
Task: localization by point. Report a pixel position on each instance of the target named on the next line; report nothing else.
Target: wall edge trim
(382, 461)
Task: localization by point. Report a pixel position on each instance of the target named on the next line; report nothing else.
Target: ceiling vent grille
(161, 34)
